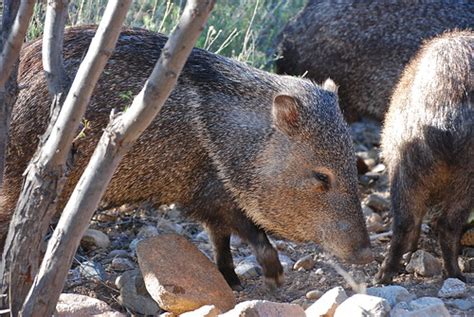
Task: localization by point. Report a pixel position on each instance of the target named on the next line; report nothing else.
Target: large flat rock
(179, 277)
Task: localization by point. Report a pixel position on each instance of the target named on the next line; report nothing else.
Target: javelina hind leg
(449, 233)
(266, 255)
(223, 256)
(408, 209)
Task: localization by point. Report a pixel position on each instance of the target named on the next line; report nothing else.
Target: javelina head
(307, 175)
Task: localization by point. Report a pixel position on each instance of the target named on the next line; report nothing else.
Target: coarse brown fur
(364, 45)
(240, 150)
(428, 146)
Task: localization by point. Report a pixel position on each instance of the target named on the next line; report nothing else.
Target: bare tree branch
(13, 35)
(119, 136)
(45, 174)
(53, 35)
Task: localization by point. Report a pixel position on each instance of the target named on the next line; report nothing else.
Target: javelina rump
(364, 45)
(240, 150)
(428, 145)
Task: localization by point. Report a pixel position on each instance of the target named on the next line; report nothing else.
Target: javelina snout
(241, 150)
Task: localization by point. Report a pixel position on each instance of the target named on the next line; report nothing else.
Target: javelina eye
(322, 178)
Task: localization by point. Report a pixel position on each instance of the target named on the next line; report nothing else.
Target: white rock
(327, 304)
(95, 238)
(421, 307)
(393, 294)
(452, 287)
(262, 308)
(204, 311)
(75, 305)
(363, 305)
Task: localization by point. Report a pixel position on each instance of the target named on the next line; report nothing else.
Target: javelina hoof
(274, 283)
(383, 277)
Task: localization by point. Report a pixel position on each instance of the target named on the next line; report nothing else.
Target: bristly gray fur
(364, 45)
(428, 146)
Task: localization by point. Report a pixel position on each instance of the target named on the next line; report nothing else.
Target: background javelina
(364, 45)
(428, 145)
(241, 150)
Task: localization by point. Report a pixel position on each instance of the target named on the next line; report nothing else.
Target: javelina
(428, 145)
(241, 150)
(364, 45)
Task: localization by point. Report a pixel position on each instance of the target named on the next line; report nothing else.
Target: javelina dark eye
(322, 178)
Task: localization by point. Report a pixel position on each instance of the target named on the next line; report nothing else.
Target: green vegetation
(243, 29)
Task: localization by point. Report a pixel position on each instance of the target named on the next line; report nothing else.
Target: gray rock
(452, 287)
(327, 304)
(363, 305)
(133, 294)
(462, 304)
(421, 307)
(393, 294)
(235, 241)
(147, 231)
(122, 264)
(466, 264)
(424, 264)
(202, 236)
(119, 254)
(263, 308)
(374, 223)
(95, 239)
(305, 263)
(377, 202)
(248, 267)
(286, 262)
(92, 270)
(75, 305)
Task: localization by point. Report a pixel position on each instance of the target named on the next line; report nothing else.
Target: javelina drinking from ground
(364, 45)
(241, 150)
(428, 145)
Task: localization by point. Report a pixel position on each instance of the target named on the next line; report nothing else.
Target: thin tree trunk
(15, 19)
(45, 173)
(121, 133)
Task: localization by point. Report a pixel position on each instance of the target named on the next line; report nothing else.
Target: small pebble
(377, 202)
(305, 263)
(313, 295)
(122, 264)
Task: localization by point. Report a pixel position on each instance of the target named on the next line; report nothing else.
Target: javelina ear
(330, 85)
(286, 115)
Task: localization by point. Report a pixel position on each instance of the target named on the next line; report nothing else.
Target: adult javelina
(364, 45)
(242, 151)
(428, 145)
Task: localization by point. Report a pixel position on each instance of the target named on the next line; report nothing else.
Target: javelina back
(241, 150)
(364, 45)
(428, 145)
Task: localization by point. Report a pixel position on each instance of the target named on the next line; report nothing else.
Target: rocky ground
(106, 266)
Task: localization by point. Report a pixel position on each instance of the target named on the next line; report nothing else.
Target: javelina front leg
(266, 255)
(449, 233)
(407, 210)
(223, 256)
